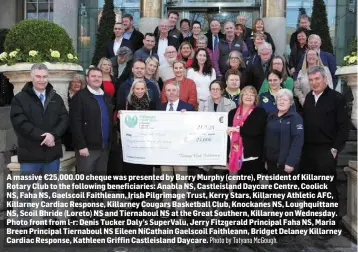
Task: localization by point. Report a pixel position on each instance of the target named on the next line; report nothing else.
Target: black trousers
(318, 160)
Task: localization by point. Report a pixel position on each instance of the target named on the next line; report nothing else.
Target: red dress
(108, 88)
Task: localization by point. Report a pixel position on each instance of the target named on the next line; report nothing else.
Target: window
(39, 9)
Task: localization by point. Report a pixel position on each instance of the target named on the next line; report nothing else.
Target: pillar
(274, 16)
(150, 15)
(65, 14)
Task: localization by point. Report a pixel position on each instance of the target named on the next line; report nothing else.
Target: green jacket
(288, 84)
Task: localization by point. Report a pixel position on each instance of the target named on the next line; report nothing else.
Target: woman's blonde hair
(136, 81)
(251, 89)
(152, 58)
(101, 62)
(305, 64)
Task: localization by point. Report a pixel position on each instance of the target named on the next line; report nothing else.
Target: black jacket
(85, 120)
(136, 39)
(327, 122)
(252, 132)
(175, 33)
(251, 46)
(209, 35)
(109, 47)
(31, 119)
(255, 72)
(288, 130)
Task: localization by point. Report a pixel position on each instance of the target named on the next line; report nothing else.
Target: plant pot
(60, 74)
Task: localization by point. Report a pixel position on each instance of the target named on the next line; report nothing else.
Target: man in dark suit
(131, 34)
(214, 35)
(174, 104)
(259, 65)
(118, 42)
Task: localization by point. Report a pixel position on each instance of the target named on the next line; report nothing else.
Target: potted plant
(32, 41)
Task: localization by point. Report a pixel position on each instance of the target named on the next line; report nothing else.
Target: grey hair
(203, 37)
(229, 22)
(174, 84)
(263, 46)
(314, 36)
(317, 69)
(285, 92)
(126, 52)
(38, 66)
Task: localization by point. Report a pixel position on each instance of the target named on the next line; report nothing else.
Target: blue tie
(215, 41)
(42, 99)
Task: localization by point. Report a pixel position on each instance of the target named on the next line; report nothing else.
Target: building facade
(81, 17)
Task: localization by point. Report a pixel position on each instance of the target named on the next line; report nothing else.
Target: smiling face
(312, 58)
(317, 82)
(173, 18)
(179, 69)
(274, 82)
(138, 69)
(185, 51)
(283, 103)
(259, 26)
(314, 44)
(196, 29)
(118, 30)
(302, 38)
(127, 23)
(248, 98)
(229, 29)
(149, 42)
(215, 27)
(106, 66)
(139, 89)
(277, 64)
(215, 91)
(75, 84)
(172, 92)
(151, 67)
(238, 30)
(39, 79)
(201, 57)
(94, 79)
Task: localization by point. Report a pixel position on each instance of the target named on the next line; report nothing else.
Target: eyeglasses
(171, 52)
(248, 95)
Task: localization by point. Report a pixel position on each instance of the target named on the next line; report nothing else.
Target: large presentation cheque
(174, 138)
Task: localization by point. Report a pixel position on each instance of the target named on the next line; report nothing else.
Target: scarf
(139, 104)
(237, 147)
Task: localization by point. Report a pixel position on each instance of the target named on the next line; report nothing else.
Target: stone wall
(8, 142)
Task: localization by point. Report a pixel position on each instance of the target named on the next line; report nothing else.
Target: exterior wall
(66, 15)
(12, 12)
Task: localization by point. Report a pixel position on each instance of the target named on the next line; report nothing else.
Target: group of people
(283, 118)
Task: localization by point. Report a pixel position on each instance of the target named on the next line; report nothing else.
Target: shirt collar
(95, 92)
(317, 96)
(118, 40)
(175, 103)
(39, 93)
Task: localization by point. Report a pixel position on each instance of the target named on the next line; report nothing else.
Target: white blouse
(202, 82)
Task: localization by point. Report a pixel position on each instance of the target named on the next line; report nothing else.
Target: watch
(334, 150)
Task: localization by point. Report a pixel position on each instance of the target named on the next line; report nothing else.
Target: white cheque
(174, 138)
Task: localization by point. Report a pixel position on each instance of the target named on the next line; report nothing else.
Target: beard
(170, 60)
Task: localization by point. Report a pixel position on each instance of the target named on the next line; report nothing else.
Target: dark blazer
(209, 35)
(256, 74)
(136, 39)
(252, 132)
(31, 119)
(171, 42)
(326, 122)
(182, 105)
(109, 47)
(85, 120)
(175, 33)
(125, 74)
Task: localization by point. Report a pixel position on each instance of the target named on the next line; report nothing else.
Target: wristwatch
(334, 150)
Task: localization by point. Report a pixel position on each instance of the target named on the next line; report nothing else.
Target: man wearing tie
(39, 117)
(214, 35)
(174, 104)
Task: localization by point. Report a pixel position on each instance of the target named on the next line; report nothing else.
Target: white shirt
(162, 45)
(39, 93)
(175, 105)
(165, 71)
(202, 83)
(95, 92)
(117, 45)
(316, 97)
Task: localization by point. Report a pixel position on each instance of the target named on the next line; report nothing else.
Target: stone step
(350, 148)
(343, 159)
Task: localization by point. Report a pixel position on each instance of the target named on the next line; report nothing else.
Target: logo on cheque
(131, 121)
